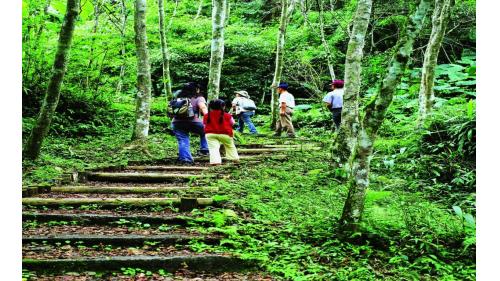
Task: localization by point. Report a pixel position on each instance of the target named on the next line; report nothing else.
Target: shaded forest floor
(288, 209)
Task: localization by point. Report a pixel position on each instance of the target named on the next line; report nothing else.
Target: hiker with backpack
(244, 108)
(219, 130)
(185, 109)
(334, 100)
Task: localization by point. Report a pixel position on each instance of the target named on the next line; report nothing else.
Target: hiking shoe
(202, 153)
(184, 163)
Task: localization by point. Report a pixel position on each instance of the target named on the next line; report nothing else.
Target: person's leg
(182, 137)
(214, 147)
(287, 120)
(241, 124)
(279, 125)
(231, 152)
(199, 129)
(246, 118)
(337, 115)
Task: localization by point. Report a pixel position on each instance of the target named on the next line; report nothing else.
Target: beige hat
(243, 94)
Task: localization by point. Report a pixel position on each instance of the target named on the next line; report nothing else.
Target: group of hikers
(215, 128)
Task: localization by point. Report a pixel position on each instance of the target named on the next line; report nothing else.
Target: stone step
(142, 177)
(275, 149)
(196, 263)
(104, 218)
(119, 240)
(185, 203)
(166, 168)
(130, 189)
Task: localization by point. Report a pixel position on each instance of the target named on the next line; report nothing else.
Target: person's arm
(283, 108)
(202, 106)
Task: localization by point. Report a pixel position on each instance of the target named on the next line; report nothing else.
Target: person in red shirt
(219, 130)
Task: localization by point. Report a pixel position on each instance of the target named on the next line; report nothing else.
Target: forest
(388, 193)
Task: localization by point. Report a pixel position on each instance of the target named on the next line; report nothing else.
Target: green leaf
(458, 211)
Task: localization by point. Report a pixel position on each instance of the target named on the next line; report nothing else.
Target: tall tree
(219, 11)
(346, 137)
(122, 30)
(97, 12)
(426, 93)
(329, 58)
(41, 128)
(200, 7)
(373, 118)
(142, 111)
(287, 7)
(167, 83)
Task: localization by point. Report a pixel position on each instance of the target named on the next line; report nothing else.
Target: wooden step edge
(130, 189)
(184, 202)
(104, 218)
(196, 263)
(122, 240)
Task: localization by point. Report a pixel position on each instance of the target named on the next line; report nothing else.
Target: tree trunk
(426, 93)
(167, 83)
(97, 12)
(142, 112)
(123, 28)
(173, 16)
(286, 12)
(219, 9)
(374, 116)
(200, 7)
(346, 137)
(329, 58)
(41, 128)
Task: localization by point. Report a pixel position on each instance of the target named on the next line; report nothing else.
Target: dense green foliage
(419, 219)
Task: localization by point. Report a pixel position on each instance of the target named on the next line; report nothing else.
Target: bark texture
(200, 7)
(346, 137)
(167, 83)
(287, 7)
(123, 27)
(142, 111)
(374, 116)
(426, 94)
(41, 128)
(219, 10)
(329, 57)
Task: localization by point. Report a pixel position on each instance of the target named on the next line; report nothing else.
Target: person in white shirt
(286, 105)
(244, 108)
(334, 100)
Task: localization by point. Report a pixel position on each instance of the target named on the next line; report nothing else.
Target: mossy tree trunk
(167, 83)
(426, 93)
(143, 98)
(287, 7)
(374, 116)
(200, 7)
(219, 10)
(41, 128)
(329, 57)
(123, 28)
(346, 137)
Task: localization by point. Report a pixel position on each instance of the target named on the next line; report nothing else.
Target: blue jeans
(244, 118)
(181, 130)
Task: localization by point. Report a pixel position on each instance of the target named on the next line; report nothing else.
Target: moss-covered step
(130, 189)
(104, 218)
(119, 240)
(196, 263)
(275, 149)
(167, 168)
(185, 203)
(142, 177)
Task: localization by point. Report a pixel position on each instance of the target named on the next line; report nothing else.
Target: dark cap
(283, 85)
